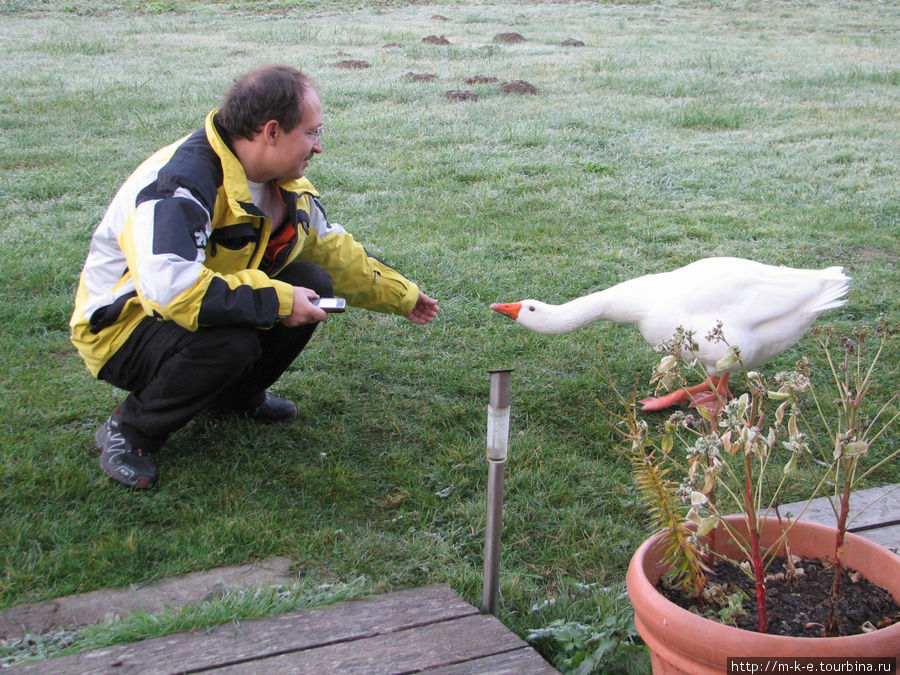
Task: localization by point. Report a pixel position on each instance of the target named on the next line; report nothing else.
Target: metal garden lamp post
(497, 447)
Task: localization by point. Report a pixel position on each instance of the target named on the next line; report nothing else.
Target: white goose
(764, 311)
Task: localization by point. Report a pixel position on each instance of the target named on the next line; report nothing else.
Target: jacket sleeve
(364, 280)
(164, 243)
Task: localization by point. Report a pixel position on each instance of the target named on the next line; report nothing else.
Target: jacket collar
(234, 180)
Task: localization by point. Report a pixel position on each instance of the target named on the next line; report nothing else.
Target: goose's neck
(612, 304)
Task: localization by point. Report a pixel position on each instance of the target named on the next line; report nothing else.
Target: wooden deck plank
(448, 642)
(516, 662)
(90, 608)
(399, 631)
(873, 514)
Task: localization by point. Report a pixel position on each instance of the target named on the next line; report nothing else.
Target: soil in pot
(800, 607)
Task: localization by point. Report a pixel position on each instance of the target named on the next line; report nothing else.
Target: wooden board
(874, 514)
(429, 627)
(89, 608)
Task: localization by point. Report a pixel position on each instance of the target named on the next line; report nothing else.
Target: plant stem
(756, 556)
(839, 535)
(831, 627)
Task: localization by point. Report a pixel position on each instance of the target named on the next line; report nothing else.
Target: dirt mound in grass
(480, 79)
(354, 65)
(508, 38)
(420, 77)
(461, 95)
(518, 87)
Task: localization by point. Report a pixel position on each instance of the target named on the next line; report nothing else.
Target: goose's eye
(531, 308)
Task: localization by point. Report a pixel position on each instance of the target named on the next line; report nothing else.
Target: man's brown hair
(270, 92)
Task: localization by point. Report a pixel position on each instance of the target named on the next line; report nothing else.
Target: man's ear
(270, 132)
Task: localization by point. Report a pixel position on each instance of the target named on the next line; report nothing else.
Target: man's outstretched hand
(425, 310)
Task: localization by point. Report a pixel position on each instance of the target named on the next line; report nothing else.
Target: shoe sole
(122, 475)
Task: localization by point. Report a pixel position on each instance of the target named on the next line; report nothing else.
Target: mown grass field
(679, 130)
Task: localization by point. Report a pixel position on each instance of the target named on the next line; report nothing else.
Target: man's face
(295, 148)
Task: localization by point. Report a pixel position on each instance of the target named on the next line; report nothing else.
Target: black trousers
(173, 373)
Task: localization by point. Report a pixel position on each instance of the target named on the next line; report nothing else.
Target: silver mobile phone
(331, 304)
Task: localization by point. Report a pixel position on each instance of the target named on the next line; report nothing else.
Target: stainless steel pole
(497, 448)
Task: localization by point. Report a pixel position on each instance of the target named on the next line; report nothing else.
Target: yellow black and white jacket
(183, 241)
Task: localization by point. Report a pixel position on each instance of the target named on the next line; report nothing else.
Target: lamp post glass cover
(498, 416)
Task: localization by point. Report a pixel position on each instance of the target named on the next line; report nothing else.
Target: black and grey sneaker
(264, 407)
(273, 409)
(120, 461)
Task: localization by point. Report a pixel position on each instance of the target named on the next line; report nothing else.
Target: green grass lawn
(679, 130)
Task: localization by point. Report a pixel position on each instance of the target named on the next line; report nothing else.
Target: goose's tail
(835, 285)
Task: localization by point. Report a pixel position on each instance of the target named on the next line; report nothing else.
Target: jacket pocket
(106, 316)
(231, 248)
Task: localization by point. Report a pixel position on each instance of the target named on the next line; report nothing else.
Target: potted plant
(736, 457)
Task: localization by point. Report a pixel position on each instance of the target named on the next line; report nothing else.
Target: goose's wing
(747, 293)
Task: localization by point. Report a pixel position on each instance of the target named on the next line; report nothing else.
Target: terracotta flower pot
(683, 642)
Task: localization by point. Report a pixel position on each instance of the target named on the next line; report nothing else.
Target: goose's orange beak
(510, 309)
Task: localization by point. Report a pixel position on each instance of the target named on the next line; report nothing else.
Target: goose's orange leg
(678, 396)
(697, 395)
(714, 400)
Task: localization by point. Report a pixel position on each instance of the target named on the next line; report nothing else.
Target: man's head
(271, 92)
(273, 117)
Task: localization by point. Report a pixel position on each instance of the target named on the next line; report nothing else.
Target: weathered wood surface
(874, 514)
(89, 608)
(402, 632)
